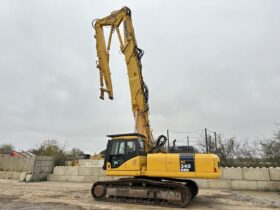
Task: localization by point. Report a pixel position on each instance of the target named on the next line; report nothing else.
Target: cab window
(118, 148)
(131, 148)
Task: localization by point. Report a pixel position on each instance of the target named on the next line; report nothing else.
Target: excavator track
(147, 191)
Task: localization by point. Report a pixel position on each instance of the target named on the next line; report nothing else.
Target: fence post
(206, 140)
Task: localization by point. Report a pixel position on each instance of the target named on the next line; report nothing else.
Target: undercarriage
(149, 191)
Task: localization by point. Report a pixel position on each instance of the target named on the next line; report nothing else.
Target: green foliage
(51, 147)
(6, 148)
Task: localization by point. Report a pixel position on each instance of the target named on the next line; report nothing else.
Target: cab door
(124, 154)
(117, 153)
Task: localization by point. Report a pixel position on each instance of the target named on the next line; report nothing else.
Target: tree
(227, 150)
(6, 148)
(234, 153)
(249, 154)
(76, 152)
(51, 147)
(271, 150)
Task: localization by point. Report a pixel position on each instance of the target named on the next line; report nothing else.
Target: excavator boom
(133, 55)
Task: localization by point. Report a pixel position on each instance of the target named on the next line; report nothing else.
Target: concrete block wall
(265, 179)
(26, 168)
(43, 166)
(79, 174)
(91, 163)
(20, 164)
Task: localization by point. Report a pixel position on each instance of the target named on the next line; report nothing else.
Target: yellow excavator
(154, 175)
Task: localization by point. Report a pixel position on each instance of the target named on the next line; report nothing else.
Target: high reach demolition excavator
(156, 176)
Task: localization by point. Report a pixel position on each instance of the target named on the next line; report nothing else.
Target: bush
(51, 147)
(6, 148)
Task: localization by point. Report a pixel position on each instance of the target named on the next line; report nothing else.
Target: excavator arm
(133, 55)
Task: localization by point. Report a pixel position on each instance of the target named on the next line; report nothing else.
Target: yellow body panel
(132, 167)
(167, 165)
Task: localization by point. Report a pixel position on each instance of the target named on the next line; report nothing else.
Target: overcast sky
(213, 64)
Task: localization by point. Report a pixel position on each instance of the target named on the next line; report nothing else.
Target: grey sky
(213, 64)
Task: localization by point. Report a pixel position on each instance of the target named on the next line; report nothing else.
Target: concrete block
(275, 186)
(52, 177)
(45, 169)
(43, 176)
(22, 176)
(263, 185)
(44, 163)
(84, 171)
(15, 175)
(91, 163)
(35, 177)
(8, 175)
(48, 163)
(202, 183)
(274, 174)
(37, 170)
(94, 171)
(39, 158)
(85, 163)
(232, 173)
(259, 174)
(44, 158)
(244, 185)
(219, 184)
(59, 171)
(76, 178)
(101, 172)
(1, 174)
(49, 158)
(50, 169)
(38, 163)
(91, 179)
(71, 171)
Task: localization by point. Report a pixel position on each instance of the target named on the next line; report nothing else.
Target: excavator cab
(123, 147)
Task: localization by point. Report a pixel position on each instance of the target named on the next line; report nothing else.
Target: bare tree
(271, 150)
(76, 152)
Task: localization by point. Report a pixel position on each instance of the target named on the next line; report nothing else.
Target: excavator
(148, 173)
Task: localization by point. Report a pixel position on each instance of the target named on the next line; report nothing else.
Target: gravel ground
(76, 196)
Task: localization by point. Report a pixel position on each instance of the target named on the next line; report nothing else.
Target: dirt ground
(76, 196)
